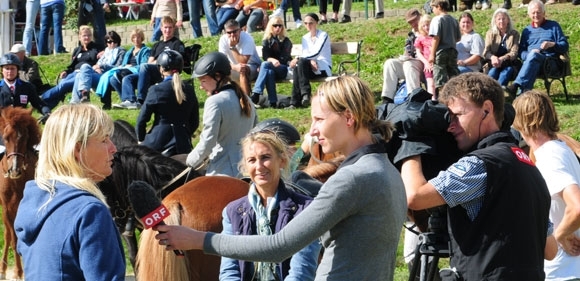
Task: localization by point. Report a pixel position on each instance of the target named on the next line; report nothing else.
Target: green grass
(384, 39)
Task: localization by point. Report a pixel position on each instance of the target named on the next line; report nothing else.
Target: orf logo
(155, 217)
(522, 156)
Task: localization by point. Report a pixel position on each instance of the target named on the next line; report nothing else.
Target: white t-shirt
(560, 168)
(245, 46)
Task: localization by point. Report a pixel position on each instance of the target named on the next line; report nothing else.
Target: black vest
(507, 238)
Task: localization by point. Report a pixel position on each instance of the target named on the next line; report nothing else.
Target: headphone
(485, 113)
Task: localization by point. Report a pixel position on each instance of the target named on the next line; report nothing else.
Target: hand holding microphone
(148, 207)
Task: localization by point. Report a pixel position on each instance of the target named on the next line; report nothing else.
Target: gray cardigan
(358, 216)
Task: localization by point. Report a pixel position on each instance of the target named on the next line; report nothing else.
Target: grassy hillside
(384, 39)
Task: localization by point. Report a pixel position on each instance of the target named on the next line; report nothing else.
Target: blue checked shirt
(463, 183)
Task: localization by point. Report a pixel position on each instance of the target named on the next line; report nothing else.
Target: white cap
(17, 48)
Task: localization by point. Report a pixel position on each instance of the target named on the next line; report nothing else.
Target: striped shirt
(463, 183)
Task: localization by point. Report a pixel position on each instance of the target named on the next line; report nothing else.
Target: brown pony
(197, 204)
(21, 133)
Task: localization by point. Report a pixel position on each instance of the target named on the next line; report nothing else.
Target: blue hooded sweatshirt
(72, 237)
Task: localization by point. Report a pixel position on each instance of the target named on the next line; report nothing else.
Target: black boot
(507, 4)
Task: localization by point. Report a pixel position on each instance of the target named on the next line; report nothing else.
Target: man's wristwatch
(232, 48)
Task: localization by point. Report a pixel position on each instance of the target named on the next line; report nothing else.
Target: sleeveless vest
(506, 240)
(243, 220)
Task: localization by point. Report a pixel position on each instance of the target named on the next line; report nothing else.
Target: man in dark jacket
(498, 201)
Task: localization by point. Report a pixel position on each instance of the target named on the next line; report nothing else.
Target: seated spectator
(276, 53)
(268, 207)
(541, 39)
(88, 76)
(149, 72)
(407, 66)
(29, 71)
(501, 48)
(85, 53)
(470, 47)
(227, 10)
(315, 61)
(137, 55)
(162, 8)
(252, 15)
(16, 92)
(174, 107)
(228, 115)
(240, 49)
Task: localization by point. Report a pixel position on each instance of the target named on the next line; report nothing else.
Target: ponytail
(178, 88)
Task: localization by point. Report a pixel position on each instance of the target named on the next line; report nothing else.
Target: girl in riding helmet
(228, 116)
(175, 107)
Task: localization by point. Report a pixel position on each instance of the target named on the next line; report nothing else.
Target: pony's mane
(323, 170)
(124, 134)
(18, 117)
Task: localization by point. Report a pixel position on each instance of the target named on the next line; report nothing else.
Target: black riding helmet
(10, 59)
(212, 63)
(284, 129)
(170, 60)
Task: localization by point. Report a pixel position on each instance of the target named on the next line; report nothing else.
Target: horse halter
(14, 166)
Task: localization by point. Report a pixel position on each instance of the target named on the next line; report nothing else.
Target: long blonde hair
(69, 127)
(268, 32)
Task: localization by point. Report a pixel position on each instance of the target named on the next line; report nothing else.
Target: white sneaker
(127, 105)
(478, 5)
(277, 13)
(298, 23)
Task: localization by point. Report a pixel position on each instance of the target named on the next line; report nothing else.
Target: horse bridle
(16, 154)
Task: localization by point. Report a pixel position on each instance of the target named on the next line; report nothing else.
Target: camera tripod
(435, 244)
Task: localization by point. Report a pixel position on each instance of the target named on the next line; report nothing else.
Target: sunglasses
(233, 31)
(109, 41)
(277, 25)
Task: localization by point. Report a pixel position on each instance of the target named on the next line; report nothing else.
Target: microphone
(148, 207)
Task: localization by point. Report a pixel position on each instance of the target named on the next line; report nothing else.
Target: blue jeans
(57, 93)
(156, 30)
(32, 8)
(148, 75)
(295, 8)
(210, 15)
(51, 16)
(224, 14)
(267, 76)
(502, 75)
(251, 21)
(85, 79)
(125, 88)
(97, 18)
(529, 71)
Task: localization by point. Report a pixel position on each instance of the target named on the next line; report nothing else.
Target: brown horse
(21, 133)
(197, 204)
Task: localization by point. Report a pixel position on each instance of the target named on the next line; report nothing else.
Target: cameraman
(498, 201)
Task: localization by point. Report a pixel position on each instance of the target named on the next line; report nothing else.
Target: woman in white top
(470, 47)
(315, 61)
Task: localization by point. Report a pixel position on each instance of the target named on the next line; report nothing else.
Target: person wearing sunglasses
(89, 75)
(240, 49)
(276, 53)
(315, 61)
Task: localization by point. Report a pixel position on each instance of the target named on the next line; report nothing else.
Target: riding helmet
(284, 129)
(10, 59)
(212, 63)
(170, 60)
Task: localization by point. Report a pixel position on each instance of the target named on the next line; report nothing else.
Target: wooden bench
(336, 48)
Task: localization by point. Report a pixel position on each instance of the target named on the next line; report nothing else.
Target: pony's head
(20, 132)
